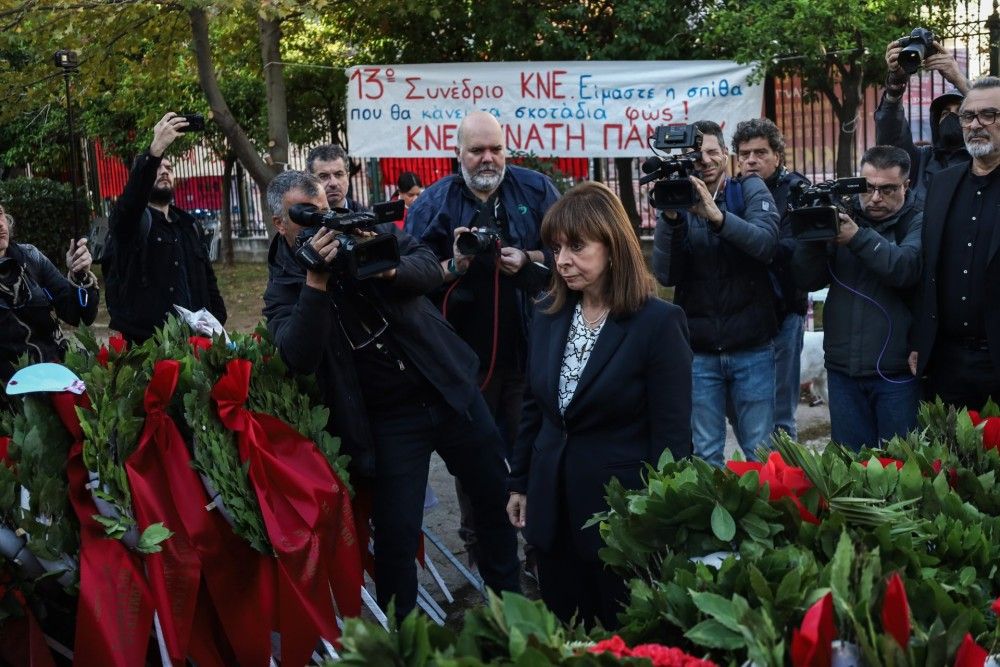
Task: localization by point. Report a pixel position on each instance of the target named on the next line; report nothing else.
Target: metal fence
(810, 129)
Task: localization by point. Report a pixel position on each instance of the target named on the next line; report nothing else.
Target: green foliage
(43, 214)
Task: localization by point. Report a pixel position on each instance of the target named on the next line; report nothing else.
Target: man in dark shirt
(760, 150)
(958, 333)
(399, 383)
(159, 256)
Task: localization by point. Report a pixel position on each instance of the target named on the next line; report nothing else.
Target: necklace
(594, 323)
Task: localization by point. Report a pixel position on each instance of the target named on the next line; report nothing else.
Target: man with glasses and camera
(958, 332)
(483, 224)
(399, 383)
(872, 268)
(947, 147)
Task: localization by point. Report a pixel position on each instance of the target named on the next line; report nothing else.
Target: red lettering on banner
(582, 137)
(538, 85)
(607, 131)
(431, 137)
(533, 135)
(513, 137)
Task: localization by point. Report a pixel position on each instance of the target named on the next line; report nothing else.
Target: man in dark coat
(957, 338)
(399, 382)
(159, 256)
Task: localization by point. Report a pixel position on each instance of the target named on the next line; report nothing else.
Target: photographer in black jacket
(159, 256)
(399, 382)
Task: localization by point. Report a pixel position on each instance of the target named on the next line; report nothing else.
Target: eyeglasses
(985, 116)
(885, 190)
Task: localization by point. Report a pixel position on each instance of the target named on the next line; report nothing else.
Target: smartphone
(196, 122)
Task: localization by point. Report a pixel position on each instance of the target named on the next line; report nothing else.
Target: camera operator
(158, 257)
(717, 254)
(892, 129)
(34, 296)
(872, 268)
(760, 151)
(399, 384)
(958, 327)
(491, 305)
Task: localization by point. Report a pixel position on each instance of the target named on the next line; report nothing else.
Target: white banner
(562, 109)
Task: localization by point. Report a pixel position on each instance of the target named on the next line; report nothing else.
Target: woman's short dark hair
(590, 211)
(407, 181)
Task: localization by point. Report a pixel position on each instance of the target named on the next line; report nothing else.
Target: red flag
(811, 643)
(896, 611)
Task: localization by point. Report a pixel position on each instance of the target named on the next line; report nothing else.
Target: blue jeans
(787, 365)
(746, 380)
(868, 410)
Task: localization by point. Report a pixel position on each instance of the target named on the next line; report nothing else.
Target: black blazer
(632, 402)
(940, 192)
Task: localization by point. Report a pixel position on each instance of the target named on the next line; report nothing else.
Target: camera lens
(911, 56)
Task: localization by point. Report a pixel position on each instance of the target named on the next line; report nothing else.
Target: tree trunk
(226, 219)
(626, 191)
(274, 81)
(246, 152)
(851, 92)
(244, 203)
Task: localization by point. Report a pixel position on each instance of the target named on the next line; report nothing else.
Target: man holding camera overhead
(904, 57)
(156, 254)
(399, 382)
(716, 252)
(872, 267)
(483, 225)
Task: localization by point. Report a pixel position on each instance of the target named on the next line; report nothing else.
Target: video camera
(815, 207)
(916, 46)
(672, 189)
(361, 256)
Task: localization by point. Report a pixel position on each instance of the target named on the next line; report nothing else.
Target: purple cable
(878, 362)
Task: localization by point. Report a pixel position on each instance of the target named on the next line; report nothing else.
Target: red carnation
(615, 646)
(117, 342)
(970, 654)
(896, 611)
(666, 656)
(811, 643)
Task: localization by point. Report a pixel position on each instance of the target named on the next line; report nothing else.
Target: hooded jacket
(892, 129)
(302, 321)
(883, 263)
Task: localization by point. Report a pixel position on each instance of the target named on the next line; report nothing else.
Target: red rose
(783, 480)
(811, 642)
(117, 342)
(970, 654)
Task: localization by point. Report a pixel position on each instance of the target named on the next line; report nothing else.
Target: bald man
(508, 203)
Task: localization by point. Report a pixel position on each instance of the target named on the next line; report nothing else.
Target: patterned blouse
(579, 344)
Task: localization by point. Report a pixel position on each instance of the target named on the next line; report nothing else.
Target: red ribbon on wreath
(115, 610)
(783, 480)
(307, 514)
(165, 488)
(22, 643)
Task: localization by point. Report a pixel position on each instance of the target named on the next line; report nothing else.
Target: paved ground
(814, 428)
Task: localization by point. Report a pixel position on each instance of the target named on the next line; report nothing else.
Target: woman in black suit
(609, 378)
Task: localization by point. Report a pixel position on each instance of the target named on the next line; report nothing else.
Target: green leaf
(711, 633)
(723, 526)
(151, 538)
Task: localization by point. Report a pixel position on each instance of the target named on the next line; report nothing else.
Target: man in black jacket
(872, 268)
(399, 382)
(957, 337)
(717, 254)
(159, 256)
(892, 128)
(760, 150)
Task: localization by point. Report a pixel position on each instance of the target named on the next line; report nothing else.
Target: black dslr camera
(478, 242)
(916, 46)
(672, 189)
(359, 256)
(814, 208)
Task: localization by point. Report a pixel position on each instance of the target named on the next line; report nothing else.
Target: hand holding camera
(318, 253)
(78, 259)
(848, 228)
(466, 247)
(705, 208)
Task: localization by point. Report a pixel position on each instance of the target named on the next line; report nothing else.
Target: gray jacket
(882, 262)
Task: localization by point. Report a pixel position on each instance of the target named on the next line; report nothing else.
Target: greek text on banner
(562, 109)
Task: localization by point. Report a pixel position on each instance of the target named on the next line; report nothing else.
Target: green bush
(43, 214)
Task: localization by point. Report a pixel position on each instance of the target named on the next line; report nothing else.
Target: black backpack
(120, 265)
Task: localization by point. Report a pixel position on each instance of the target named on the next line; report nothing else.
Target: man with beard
(872, 268)
(158, 257)
(491, 304)
(717, 253)
(958, 330)
(892, 128)
(330, 164)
